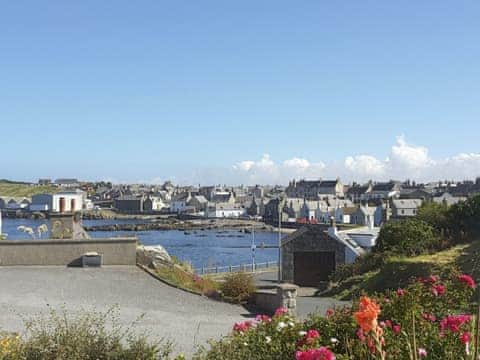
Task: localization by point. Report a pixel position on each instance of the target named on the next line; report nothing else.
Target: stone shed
(311, 254)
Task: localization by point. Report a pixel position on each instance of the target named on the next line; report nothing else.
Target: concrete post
(287, 296)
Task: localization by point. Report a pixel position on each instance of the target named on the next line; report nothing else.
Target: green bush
(87, 335)
(407, 237)
(237, 287)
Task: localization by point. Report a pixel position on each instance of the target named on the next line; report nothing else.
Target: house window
(403, 212)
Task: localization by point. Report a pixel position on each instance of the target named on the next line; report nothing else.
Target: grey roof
(128, 198)
(66, 181)
(201, 199)
(407, 203)
(389, 186)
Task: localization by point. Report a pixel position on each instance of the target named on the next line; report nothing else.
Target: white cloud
(404, 161)
(365, 166)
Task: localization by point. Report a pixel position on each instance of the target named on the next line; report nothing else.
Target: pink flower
(263, 318)
(396, 329)
(242, 326)
(388, 323)
(438, 289)
(281, 311)
(465, 338)
(309, 338)
(468, 280)
(432, 279)
(321, 353)
(361, 335)
(401, 292)
(453, 323)
(422, 352)
(429, 317)
(329, 312)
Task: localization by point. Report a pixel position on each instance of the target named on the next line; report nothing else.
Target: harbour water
(201, 248)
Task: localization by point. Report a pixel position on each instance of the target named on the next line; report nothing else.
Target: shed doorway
(312, 267)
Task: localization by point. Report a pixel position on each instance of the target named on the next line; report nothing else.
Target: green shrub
(407, 237)
(237, 287)
(87, 335)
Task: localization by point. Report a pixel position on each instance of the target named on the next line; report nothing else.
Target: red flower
(321, 353)
(468, 280)
(396, 329)
(401, 292)
(453, 323)
(465, 338)
(438, 289)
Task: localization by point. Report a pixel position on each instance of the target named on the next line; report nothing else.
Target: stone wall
(284, 295)
(115, 251)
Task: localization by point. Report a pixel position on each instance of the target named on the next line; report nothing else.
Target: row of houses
(60, 202)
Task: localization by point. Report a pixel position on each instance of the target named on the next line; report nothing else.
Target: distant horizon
(348, 183)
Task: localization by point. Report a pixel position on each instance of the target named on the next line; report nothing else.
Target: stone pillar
(287, 297)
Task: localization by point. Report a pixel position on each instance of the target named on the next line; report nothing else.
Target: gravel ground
(187, 319)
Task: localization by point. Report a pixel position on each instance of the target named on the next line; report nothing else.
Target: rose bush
(430, 318)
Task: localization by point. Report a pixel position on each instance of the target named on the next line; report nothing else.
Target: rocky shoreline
(184, 226)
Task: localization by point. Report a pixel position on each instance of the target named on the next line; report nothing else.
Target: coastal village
(330, 223)
(239, 180)
(302, 201)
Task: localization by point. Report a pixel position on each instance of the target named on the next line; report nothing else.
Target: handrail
(235, 268)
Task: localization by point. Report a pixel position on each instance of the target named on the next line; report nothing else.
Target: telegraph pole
(253, 248)
(279, 242)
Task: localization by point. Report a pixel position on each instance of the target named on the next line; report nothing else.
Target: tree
(464, 219)
(434, 214)
(407, 237)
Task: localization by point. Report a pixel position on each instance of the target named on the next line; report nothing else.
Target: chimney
(332, 230)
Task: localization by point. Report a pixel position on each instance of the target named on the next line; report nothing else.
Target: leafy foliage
(429, 317)
(407, 237)
(237, 287)
(87, 335)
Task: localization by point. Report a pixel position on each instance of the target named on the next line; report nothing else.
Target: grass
(11, 189)
(180, 275)
(399, 270)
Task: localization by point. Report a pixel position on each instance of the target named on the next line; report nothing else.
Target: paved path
(185, 318)
(307, 301)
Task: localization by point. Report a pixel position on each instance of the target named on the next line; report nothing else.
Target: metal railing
(236, 268)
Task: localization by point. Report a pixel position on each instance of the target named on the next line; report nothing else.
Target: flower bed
(430, 318)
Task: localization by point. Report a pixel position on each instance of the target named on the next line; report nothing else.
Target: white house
(225, 210)
(66, 201)
(448, 199)
(405, 207)
(180, 202)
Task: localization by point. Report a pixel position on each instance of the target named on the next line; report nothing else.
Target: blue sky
(194, 90)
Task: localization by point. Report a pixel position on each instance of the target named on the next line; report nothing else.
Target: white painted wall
(78, 197)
